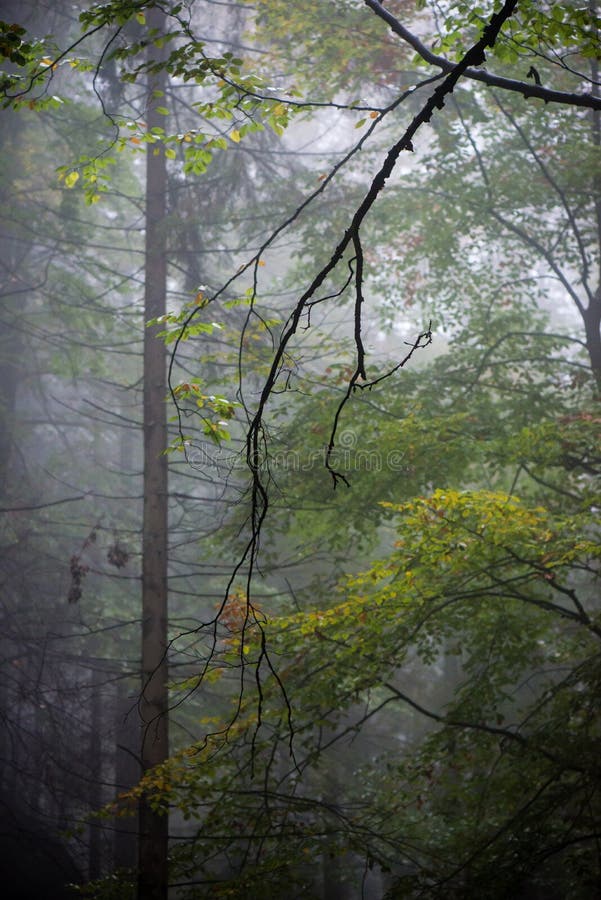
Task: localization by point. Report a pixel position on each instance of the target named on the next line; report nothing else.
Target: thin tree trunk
(127, 774)
(152, 858)
(95, 757)
(592, 320)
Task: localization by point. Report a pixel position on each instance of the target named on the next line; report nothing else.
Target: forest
(300, 446)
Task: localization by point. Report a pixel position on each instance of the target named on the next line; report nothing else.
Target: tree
(154, 696)
(357, 663)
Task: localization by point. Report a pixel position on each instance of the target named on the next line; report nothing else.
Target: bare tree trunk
(13, 294)
(152, 857)
(127, 774)
(95, 757)
(592, 319)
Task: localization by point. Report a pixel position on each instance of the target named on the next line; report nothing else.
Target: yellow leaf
(235, 136)
(72, 179)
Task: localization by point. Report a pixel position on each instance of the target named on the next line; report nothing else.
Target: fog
(300, 360)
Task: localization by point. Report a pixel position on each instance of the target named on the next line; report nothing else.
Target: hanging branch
(255, 442)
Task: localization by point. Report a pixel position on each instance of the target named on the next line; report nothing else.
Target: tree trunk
(127, 774)
(592, 326)
(95, 759)
(592, 318)
(153, 827)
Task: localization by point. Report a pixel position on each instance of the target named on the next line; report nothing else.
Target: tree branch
(527, 90)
